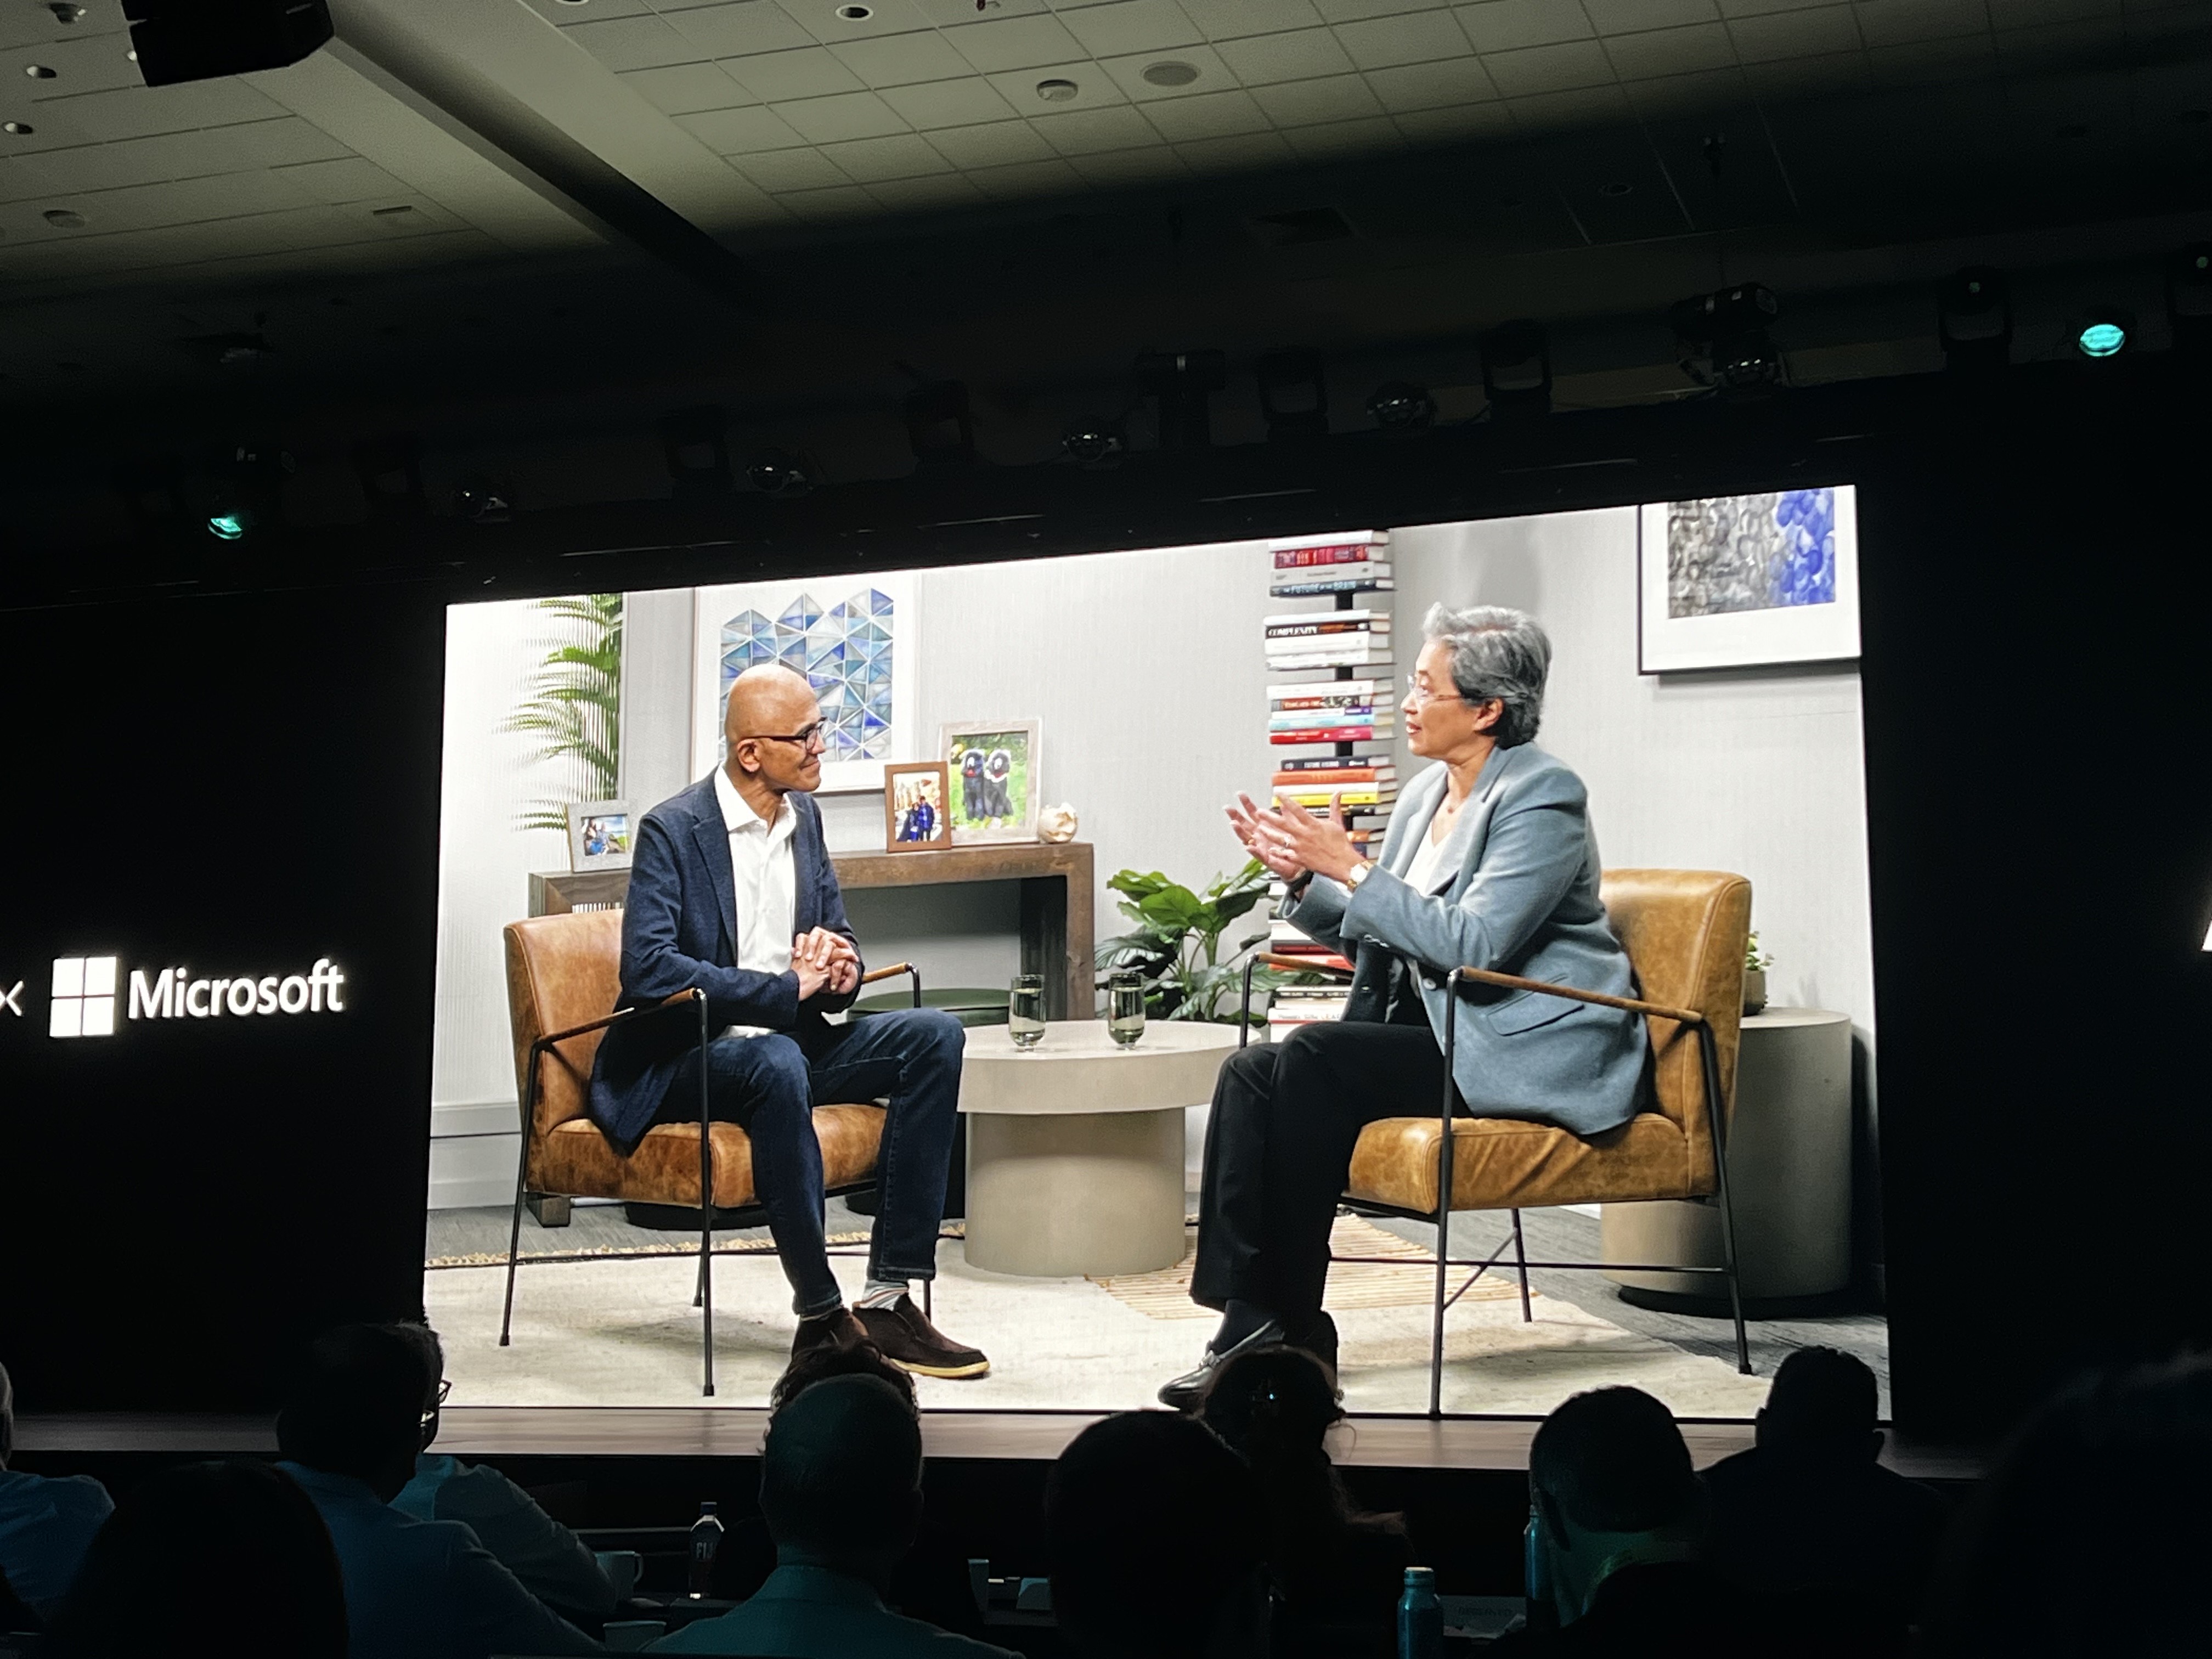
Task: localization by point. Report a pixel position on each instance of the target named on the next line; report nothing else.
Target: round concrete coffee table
(1075, 1154)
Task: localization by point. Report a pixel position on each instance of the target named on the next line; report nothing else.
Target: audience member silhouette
(350, 1430)
(550, 1560)
(1620, 1522)
(2088, 1534)
(46, 1522)
(841, 1489)
(225, 1558)
(1808, 1512)
(1337, 1569)
(16, 1614)
(1157, 1544)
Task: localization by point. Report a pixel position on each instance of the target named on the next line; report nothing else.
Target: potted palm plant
(574, 705)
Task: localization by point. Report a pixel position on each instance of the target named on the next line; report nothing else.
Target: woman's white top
(1428, 865)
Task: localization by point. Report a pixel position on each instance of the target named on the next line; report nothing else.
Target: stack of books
(1360, 783)
(1284, 939)
(1330, 639)
(1332, 712)
(1358, 563)
(1301, 1004)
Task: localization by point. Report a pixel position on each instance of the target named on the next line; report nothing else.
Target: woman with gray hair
(1489, 862)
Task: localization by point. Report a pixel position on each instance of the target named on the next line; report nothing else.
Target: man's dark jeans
(769, 1086)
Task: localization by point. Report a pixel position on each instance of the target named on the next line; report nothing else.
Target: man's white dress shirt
(764, 875)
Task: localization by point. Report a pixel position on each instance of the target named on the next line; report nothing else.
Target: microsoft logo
(84, 997)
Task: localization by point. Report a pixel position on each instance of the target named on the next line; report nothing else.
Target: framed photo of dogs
(993, 769)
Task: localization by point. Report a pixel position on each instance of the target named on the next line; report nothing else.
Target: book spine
(1344, 552)
(1325, 734)
(1312, 590)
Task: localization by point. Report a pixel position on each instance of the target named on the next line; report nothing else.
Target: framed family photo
(1748, 581)
(915, 815)
(598, 836)
(992, 773)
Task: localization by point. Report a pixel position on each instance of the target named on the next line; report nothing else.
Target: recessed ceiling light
(1171, 74)
(64, 219)
(575, 2)
(1616, 187)
(38, 72)
(66, 12)
(856, 14)
(17, 129)
(1056, 91)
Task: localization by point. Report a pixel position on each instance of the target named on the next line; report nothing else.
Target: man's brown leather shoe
(905, 1336)
(835, 1329)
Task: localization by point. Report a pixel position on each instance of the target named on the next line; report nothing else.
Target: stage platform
(1492, 1444)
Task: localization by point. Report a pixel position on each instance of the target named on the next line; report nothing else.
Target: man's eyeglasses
(445, 1389)
(807, 736)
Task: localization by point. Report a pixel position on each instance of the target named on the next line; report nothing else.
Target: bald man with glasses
(732, 892)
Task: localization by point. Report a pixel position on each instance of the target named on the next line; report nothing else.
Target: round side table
(1789, 1175)
(1075, 1149)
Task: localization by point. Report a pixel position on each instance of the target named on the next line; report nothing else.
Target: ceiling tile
(629, 43)
(820, 19)
(1895, 22)
(738, 131)
(803, 72)
(1926, 62)
(1627, 16)
(1119, 168)
(567, 15)
(898, 60)
(1128, 74)
(94, 63)
(351, 179)
(1382, 42)
(686, 89)
(1665, 94)
(1778, 76)
(1425, 86)
(848, 115)
(1298, 55)
(948, 103)
(896, 155)
(1014, 43)
(1670, 52)
(1128, 25)
(1795, 33)
(1225, 20)
(1210, 115)
(931, 195)
(1548, 69)
(998, 144)
(1094, 87)
(1024, 180)
(1307, 103)
(1582, 106)
(1734, 9)
(779, 170)
(1450, 123)
(1373, 136)
(1241, 155)
(823, 207)
(2024, 14)
(739, 29)
(2084, 40)
(1085, 132)
(142, 111)
(1507, 25)
(1353, 11)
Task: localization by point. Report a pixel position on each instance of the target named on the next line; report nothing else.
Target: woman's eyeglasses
(1422, 697)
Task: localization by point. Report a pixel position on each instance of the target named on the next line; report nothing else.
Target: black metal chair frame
(1441, 1259)
(703, 1297)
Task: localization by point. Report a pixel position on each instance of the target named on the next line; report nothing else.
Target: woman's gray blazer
(1522, 898)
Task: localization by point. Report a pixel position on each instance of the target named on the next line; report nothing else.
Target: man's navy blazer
(680, 931)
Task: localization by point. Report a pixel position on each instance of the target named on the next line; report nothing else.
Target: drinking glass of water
(1025, 1010)
(1125, 1007)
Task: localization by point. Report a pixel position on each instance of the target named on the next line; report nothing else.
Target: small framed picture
(992, 769)
(598, 836)
(915, 816)
(1748, 581)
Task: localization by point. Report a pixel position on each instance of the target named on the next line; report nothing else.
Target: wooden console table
(1058, 929)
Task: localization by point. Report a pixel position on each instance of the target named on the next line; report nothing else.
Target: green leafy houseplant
(1177, 943)
(574, 705)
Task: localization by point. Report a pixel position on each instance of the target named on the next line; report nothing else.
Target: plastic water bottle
(1420, 1617)
(706, 1545)
(1536, 1578)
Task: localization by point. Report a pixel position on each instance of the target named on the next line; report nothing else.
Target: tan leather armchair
(563, 974)
(1685, 932)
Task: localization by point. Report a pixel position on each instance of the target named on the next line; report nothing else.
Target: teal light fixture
(2102, 337)
(228, 526)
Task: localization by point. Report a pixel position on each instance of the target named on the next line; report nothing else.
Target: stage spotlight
(482, 499)
(1184, 383)
(2104, 333)
(1973, 318)
(1401, 406)
(1092, 443)
(230, 526)
(1293, 394)
(1721, 339)
(2189, 297)
(175, 40)
(937, 426)
(779, 472)
(242, 491)
(1517, 369)
(698, 453)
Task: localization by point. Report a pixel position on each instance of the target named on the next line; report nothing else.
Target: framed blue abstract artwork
(1748, 581)
(853, 637)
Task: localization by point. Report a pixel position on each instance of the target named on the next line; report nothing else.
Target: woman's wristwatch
(1360, 872)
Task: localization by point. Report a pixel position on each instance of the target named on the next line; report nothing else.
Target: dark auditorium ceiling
(523, 203)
